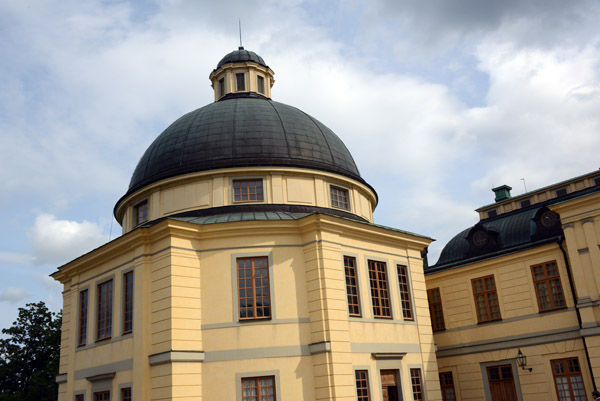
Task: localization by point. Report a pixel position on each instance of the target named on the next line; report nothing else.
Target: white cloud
(13, 295)
(15, 258)
(55, 242)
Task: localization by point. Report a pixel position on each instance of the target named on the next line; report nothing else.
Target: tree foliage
(29, 355)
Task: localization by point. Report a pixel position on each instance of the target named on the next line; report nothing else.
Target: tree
(29, 355)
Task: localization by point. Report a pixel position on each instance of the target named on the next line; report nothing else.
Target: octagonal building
(249, 268)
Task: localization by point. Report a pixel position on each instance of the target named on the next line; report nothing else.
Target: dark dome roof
(243, 130)
(241, 55)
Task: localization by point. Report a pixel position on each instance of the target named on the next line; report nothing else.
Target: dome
(243, 130)
(241, 55)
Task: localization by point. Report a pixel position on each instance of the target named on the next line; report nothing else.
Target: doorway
(390, 385)
(502, 383)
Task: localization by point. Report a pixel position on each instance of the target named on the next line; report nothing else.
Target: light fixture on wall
(522, 361)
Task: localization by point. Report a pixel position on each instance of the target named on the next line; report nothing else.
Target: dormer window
(221, 87)
(140, 212)
(339, 198)
(240, 81)
(260, 83)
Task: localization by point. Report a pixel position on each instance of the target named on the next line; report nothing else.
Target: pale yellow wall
(465, 345)
(214, 189)
(184, 301)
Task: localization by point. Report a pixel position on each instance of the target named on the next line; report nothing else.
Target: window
(435, 309)
(339, 198)
(548, 290)
(380, 294)
(597, 181)
(140, 212)
(104, 327)
(221, 87)
(102, 396)
(417, 384)
(126, 394)
(247, 190)
(568, 379)
(492, 213)
(83, 314)
(79, 397)
(240, 82)
(352, 286)
(447, 386)
(525, 203)
(253, 288)
(260, 81)
(128, 302)
(404, 292)
(486, 299)
(362, 385)
(561, 192)
(258, 389)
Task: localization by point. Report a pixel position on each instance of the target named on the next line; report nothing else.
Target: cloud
(13, 295)
(55, 242)
(14, 258)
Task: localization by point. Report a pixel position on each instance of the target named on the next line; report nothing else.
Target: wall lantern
(522, 361)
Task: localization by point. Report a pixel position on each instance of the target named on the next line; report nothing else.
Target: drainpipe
(559, 242)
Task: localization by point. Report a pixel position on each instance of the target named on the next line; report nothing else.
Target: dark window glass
(247, 190)
(104, 321)
(404, 284)
(492, 213)
(362, 385)
(339, 198)
(102, 396)
(79, 397)
(548, 289)
(416, 384)
(221, 87)
(435, 309)
(568, 380)
(140, 212)
(127, 302)
(261, 84)
(83, 315)
(447, 386)
(352, 286)
(380, 294)
(526, 203)
(258, 389)
(126, 394)
(253, 288)
(240, 82)
(561, 192)
(486, 299)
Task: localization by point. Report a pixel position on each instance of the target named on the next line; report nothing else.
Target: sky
(438, 101)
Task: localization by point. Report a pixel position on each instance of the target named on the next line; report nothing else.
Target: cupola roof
(241, 55)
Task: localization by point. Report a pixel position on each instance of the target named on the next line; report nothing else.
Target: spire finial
(240, 26)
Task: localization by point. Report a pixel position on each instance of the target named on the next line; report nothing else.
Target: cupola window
(247, 190)
(260, 83)
(240, 80)
(221, 87)
(140, 212)
(339, 198)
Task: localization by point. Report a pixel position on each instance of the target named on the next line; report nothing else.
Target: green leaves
(29, 355)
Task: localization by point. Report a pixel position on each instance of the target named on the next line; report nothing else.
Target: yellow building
(249, 268)
(524, 281)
